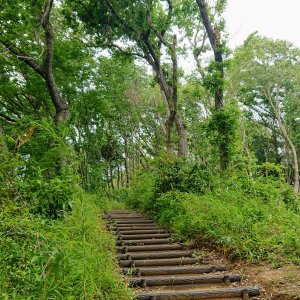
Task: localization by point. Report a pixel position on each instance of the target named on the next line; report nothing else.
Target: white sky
(276, 19)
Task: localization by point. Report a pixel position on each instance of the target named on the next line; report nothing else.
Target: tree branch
(32, 63)
(160, 35)
(206, 23)
(123, 23)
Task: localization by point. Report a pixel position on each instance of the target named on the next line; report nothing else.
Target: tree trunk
(118, 170)
(45, 70)
(215, 42)
(276, 108)
(126, 160)
(294, 155)
(111, 175)
(107, 176)
(121, 176)
(168, 88)
(182, 133)
(169, 145)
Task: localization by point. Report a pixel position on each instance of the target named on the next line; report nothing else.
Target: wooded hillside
(141, 104)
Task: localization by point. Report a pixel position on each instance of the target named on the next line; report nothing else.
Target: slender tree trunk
(276, 108)
(215, 42)
(85, 170)
(133, 160)
(121, 176)
(126, 160)
(294, 156)
(118, 170)
(288, 163)
(107, 176)
(276, 146)
(111, 175)
(168, 88)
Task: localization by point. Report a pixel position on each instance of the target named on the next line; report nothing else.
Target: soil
(275, 283)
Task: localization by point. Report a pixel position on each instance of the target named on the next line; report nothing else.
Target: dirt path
(275, 283)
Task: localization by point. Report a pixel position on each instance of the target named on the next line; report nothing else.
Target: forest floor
(281, 283)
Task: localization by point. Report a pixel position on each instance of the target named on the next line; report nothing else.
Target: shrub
(70, 258)
(39, 172)
(242, 227)
(177, 173)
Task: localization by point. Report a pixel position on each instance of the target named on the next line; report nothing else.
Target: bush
(167, 173)
(51, 197)
(70, 258)
(242, 227)
(253, 216)
(40, 173)
(177, 173)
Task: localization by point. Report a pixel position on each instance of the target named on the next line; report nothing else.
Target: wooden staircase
(158, 268)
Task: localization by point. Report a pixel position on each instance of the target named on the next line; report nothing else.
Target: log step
(133, 222)
(144, 242)
(201, 294)
(154, 255)
(167, 271)
(141, 231)
(120, 215)
(174, 270)
(143, 236)
(120, 211)
(138, 226)
(159, 262)
(127, 217)
(171, 280)
(162, 247)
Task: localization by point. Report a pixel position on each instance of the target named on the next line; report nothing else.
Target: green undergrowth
(242, 228)
(253, 218)
(69, 258)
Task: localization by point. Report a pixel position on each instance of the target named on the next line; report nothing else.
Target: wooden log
(120, 215)
(127, 217)
(159, 262)
(151, 248)
(204, 294)
(139, 226)
(171, 280)
(133, 222)
(144, 242)
(118, 211)
(142, 231)
(154, 255)
(175, 270)
(143, 236)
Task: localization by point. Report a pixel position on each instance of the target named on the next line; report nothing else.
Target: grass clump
(242, 228)
(70, 258)
(252, 217)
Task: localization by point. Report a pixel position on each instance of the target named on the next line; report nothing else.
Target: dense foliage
(256, 217)
(139, 101)
(70, 258)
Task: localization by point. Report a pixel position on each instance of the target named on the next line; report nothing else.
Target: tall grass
(71, 258)
(253, 217)
(243, 228)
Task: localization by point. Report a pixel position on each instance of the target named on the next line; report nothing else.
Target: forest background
(97, 112)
